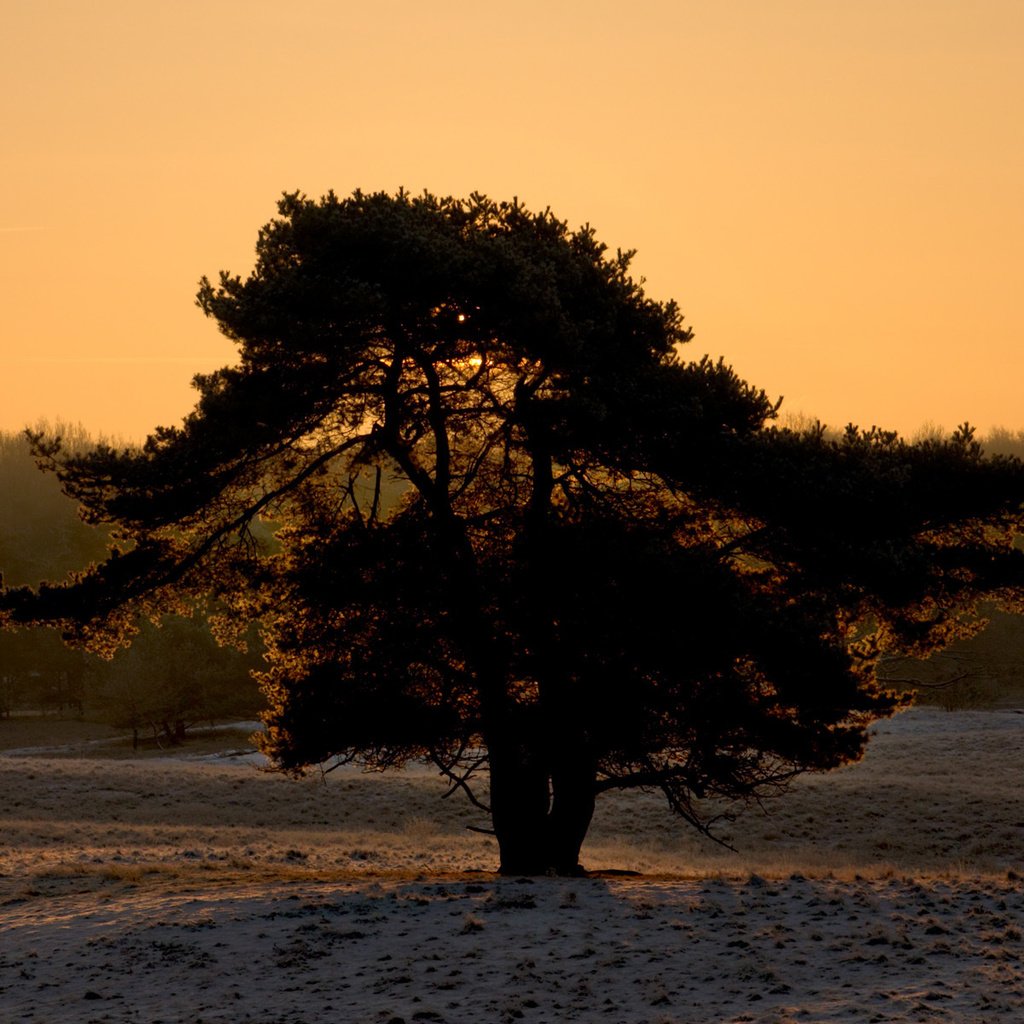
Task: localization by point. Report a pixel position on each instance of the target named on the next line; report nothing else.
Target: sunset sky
(832, 190)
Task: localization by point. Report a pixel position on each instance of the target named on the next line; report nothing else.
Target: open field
(199, 888)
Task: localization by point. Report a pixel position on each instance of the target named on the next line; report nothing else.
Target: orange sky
(831, 190)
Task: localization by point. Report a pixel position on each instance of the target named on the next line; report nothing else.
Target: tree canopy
(517, 531)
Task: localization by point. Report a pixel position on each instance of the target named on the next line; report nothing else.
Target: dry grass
(936, 795)
(49, 731)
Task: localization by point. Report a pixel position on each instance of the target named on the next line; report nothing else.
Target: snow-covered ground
(203, 889)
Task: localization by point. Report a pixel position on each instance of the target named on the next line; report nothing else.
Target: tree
(518, 532)
(173, 677)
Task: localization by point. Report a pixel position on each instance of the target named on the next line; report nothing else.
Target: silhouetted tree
(606, 568)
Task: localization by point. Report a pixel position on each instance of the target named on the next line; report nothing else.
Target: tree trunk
(519, 809)
(572, 808)
(540, 816)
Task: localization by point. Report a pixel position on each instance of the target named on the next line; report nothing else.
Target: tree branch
(461, 781)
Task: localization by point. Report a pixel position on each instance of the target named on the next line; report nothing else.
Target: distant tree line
(998, 441)
(175, 675)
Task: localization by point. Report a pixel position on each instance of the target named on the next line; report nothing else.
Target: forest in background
(175, 675)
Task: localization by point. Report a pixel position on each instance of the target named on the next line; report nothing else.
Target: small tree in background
(174, 676)
(607, 569)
